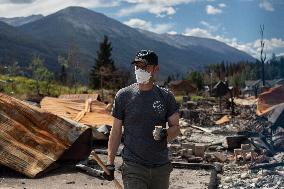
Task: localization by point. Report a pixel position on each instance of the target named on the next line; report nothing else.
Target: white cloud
(266, 5)
(269, 44)
(201, 32)
(162, 28)
(198, 32)
(233, 42)
(17, 1)
(212, 10)
(145, 25)
(13, 9)
(172, 32)
(222, 5)
(162, 11)
(253, 48)
(161, 2)
(160, 8)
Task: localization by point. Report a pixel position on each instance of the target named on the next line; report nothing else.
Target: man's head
(146, 65)
(146, 56)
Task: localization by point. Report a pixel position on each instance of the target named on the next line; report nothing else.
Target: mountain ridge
(85, 28)
(18, 21)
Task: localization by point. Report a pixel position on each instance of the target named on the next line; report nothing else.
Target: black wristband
(110, 165)
(111, 169)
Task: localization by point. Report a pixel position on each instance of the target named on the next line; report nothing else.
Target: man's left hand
(111, 169)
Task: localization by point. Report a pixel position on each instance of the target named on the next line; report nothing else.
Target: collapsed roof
(32, 139)
(84, 109)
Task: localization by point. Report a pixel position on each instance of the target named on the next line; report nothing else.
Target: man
(139, 108)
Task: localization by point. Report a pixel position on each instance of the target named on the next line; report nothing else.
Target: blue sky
(235, 22)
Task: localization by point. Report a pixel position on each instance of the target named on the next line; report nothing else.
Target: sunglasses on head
(143, 53)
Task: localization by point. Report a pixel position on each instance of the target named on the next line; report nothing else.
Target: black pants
(137, 176)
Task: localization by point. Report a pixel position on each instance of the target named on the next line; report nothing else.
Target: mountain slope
(19, 46)
(85, 29)
(279, 57)
(18, 21)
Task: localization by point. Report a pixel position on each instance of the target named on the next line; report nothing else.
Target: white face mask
(142, 76)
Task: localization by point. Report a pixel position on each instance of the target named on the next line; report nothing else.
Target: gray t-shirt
(140, 111)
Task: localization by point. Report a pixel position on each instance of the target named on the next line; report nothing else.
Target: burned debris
(239, 148)
(243, 143)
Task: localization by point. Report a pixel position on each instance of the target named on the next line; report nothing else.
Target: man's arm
(174, 129)
(114, 140)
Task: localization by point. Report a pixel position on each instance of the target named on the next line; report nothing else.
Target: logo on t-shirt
(158, 106)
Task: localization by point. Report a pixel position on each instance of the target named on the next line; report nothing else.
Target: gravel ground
(193, 179)
(235, 176)
(72, 178)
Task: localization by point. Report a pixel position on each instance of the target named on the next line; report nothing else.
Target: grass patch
(22, 87)
(196, 98)
(179, 99)
(193, 98)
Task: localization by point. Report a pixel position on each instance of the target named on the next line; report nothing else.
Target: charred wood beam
(266, 165)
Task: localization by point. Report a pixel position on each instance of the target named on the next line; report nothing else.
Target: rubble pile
(236, 176)
(206, 112)
(200, 112)
(247, 120)
(245, 146)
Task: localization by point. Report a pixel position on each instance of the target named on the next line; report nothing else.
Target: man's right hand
(111, 169)
(160, 134)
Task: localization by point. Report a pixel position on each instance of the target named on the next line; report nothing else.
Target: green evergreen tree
(196, 78)
(63, 71)
(169, 79)
(41, 75)
(104, 64)
(73, 66)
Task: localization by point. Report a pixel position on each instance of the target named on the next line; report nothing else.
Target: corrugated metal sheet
(88, 112)
(31, 139)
